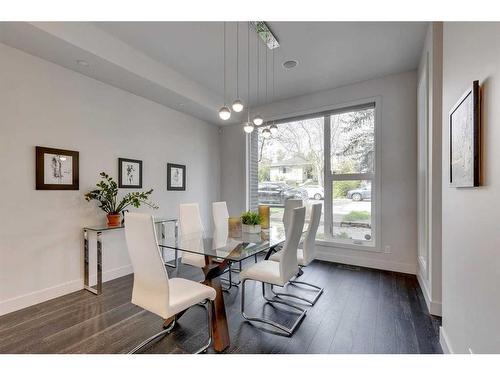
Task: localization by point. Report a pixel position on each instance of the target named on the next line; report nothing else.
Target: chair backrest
(150, 290)
(309, 246)
(290, 205)
(220, 215)
(190, 219)
(288, 261)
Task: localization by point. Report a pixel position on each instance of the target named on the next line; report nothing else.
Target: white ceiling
(330, 54)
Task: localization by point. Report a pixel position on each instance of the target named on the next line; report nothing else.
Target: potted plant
(251, 222)
(106, 193)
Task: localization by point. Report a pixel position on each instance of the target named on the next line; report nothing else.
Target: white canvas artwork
(176, 177)
(462, 144)
(130, 173)
(58, 169)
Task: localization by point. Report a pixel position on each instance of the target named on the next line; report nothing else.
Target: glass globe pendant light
(237, 105)
(258, 120)
(266, 133)
(273, 129)
(248, 127)
(224, 112)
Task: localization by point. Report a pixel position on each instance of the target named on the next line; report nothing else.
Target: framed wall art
(129, 173)
(464, 120)
(56, 169)
(176, 177)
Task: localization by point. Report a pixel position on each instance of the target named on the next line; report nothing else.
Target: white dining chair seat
(191, 259)
(266, 271)
(186, 293)
(300, 257)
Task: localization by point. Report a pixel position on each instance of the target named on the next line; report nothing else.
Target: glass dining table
(219, 249)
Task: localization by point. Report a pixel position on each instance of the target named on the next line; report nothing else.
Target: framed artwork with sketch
(176, 177)
(56, 169)
(129, 173)
(465, 143)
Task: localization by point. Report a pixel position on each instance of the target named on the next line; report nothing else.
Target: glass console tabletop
(105, 227)
(221, 246)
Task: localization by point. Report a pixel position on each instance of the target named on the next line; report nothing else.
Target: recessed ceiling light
(82, 62)
(290, 64)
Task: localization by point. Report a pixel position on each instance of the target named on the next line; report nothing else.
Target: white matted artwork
(129, 173)
(464, 140)
(58, 169)
(176, 177)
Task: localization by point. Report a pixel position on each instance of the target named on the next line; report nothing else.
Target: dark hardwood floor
(361, 311)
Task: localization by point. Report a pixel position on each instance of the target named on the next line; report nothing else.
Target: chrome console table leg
(176, 232)
(99, 263)
(86, 259)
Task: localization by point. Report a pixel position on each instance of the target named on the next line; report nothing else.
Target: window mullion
(327, 179)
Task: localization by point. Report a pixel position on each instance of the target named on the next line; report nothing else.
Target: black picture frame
(172, 184)
(40, 172)
(122, 183)
(470, 98)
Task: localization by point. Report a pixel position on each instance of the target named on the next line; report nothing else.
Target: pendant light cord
(258, 69)
(248, 67)
(267, 69)
(224, 54)
(237, 60)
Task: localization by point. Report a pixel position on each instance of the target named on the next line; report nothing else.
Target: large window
(292, 164)
(352, 159)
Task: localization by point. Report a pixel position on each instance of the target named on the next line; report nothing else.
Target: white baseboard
(354, 260)
(434, 307)
(445, 343)
(30, 299)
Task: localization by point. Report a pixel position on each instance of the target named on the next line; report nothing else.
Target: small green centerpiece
(106, 194)
(251, 222)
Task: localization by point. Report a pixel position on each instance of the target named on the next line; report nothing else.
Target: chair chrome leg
(204, 348)
(309, 301)
(230, 279)
(318, 293)
(143, 344)
(286, 330)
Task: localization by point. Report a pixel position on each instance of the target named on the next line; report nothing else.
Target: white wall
(429, 261)
(471, 228)
(41, 231)
(397, 94)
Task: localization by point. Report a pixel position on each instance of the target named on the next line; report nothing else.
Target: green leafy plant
(106, 194)
(251, 218)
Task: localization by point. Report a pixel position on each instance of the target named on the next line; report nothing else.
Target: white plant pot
(250, 228)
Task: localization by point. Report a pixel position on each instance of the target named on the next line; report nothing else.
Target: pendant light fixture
(237, 104)
(273, 128)
(248, 126)
(258, 120)
(224, 112)
(266, 133)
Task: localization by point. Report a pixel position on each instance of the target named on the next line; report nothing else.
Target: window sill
(350, 246)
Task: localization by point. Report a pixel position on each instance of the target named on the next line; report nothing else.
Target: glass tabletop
(104, 227)
(221, 246)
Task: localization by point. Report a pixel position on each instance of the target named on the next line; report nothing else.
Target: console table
(99, 230)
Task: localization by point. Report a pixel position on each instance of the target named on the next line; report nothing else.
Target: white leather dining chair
(278, 273)
(290, 205)
(153, 290)
(190, 224)
(220, 216)
(306, 254)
